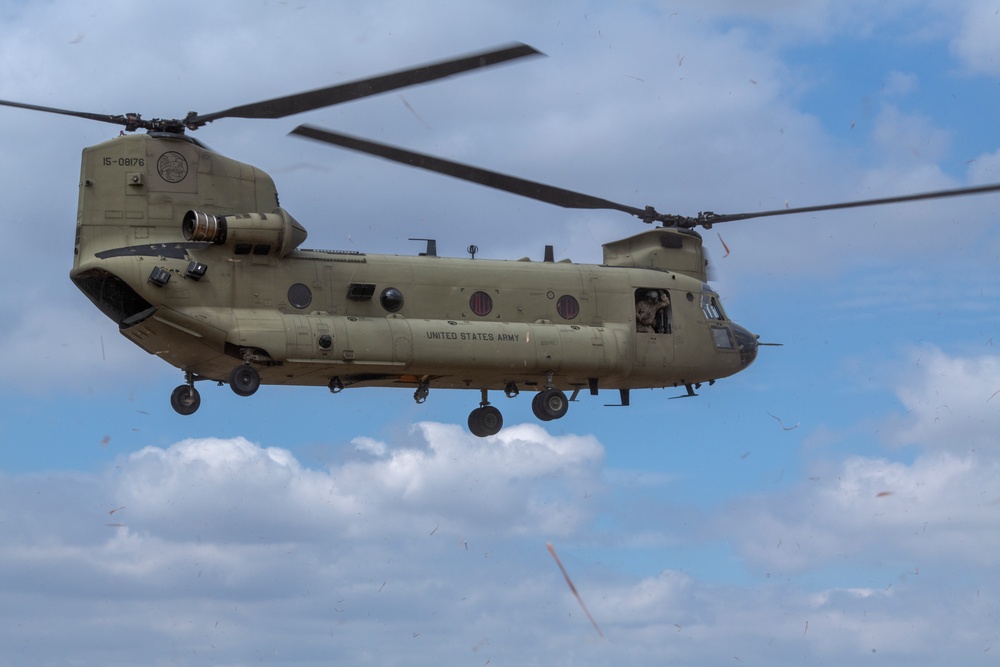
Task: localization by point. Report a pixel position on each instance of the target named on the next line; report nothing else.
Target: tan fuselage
(207, 300)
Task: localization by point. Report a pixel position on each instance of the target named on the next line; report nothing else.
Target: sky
(837, 503)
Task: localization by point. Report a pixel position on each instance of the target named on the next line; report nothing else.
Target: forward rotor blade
(519, 186)
(709, 219)
(280, 107)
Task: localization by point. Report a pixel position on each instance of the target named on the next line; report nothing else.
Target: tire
(537, 409)
(550, 404)
(485, 421)
(185, 400)
(244, 380)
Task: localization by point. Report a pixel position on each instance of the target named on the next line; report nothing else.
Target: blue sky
(835, 503)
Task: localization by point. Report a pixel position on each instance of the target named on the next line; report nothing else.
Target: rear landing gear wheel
(185, 400)
(245, 380)
(485, 421)
(549, 404)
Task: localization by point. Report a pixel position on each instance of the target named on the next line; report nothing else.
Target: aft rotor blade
(709, 219)
(103, 117)
(280, 107)
(519, 186)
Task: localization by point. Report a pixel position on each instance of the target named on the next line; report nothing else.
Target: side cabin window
(652, 310)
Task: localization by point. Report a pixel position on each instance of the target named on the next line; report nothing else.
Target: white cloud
(907, 138)
(900, 84)
(220, 551)
(941, 507)
(951, 402)
(417, 538)
(73, 349)
(985, 169)
(975, 44)
(446, 476)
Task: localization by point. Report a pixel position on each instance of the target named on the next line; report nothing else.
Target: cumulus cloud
(940, 505)
(985, 168)
(974, 44)
(900, 84)
(221, 550)
(951, 402)
(211, 531)
(71, 348)
(234, 489)
(867, 510)
(906, 138)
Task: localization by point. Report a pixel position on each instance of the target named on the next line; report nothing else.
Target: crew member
(661, 323)
(645, 311)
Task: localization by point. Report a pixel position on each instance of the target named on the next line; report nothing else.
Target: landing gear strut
(485, 420)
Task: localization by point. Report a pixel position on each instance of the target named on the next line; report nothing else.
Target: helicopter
(191, 255)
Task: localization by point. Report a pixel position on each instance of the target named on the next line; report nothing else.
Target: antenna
(432, 247)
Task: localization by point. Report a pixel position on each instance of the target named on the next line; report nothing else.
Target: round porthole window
(481, 303)
(567, 307)
(391, 299)
(299, 295)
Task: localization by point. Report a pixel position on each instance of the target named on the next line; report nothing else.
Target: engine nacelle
(257, 233)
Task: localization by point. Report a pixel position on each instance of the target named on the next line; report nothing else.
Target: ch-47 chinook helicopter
(190, 254)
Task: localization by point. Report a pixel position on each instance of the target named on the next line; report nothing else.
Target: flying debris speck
(786, 428)
(573, 589)
(414, 112)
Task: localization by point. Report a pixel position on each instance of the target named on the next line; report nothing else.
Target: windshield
(710, 306)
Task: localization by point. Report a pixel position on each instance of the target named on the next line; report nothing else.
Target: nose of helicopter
(747, 343)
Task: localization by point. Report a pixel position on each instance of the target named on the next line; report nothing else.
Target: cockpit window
(710, 306)
(723, 338)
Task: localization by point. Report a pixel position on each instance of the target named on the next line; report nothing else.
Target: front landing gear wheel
(185, 400)
(245, 380)
(549, 404)
(485, 421)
